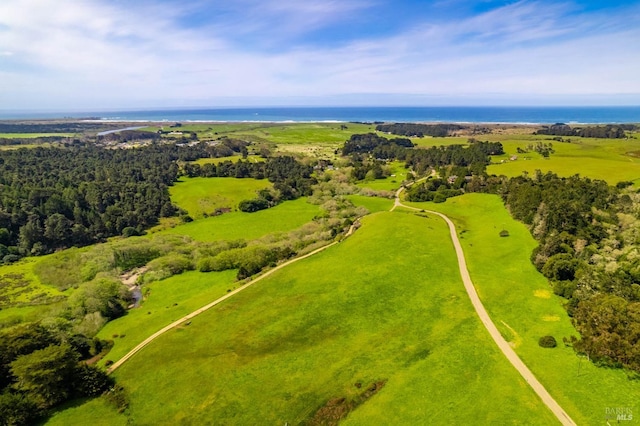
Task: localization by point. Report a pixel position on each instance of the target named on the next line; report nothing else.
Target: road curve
(504, 346)
(176, 323)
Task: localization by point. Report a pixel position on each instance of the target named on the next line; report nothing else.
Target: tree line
(420, 130)
(610, 131)
(587, 235)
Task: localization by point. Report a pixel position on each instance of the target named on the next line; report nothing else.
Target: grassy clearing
(608, 159)
(96, 412)
(238, 225)
(506, 279)
(18, 314)
(165, 302)
(307, 133)
(373, 204)
(19, 285)
(280, 350)
(200, 196)
(391, 183)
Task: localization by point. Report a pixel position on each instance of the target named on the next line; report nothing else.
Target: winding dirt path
(504, 346)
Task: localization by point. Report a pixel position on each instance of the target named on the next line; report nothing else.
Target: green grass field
(280, 350)
(200, 196)
(305, 133)
(523, 307)
(238, 225)
(373, 204)
(391, 183)
(165, 302)
(611, 160)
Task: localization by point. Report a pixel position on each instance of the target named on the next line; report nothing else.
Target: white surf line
(176, 323)
(504, 346)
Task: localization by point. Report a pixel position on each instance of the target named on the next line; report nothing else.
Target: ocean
(519, 115)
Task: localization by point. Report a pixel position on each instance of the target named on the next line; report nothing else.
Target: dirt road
(176, 323)
(504, 346)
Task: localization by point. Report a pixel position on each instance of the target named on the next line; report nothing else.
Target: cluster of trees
(39, 370)
(419, 130)
(52, 198)
(376, 146)
(128, 136)
(420, 160)
(544, 149)
(369, 170)
(609, 131)
(587, 233)
(476, 155)
(436, 189)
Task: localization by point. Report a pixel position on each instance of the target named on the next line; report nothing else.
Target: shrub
(89, 381)
(167, 266)
(130, 231)
(547, 342)
(504, 233)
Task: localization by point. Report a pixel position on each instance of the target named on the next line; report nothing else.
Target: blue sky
(110, 54)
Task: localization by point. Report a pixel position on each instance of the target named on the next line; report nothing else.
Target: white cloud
(75, 53)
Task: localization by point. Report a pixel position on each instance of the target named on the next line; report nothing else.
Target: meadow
(611, 160)
(201, 197)
(304, 338)
(505, 278)
(239, 225)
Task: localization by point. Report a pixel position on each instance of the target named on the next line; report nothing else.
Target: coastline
(524, 116)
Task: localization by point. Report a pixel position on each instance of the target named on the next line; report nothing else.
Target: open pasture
(611, 160)
(165, 301)
(239, 225)
(202, 196)
(306, 133)
(372, 204)
(283, 349)
(523, 307)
